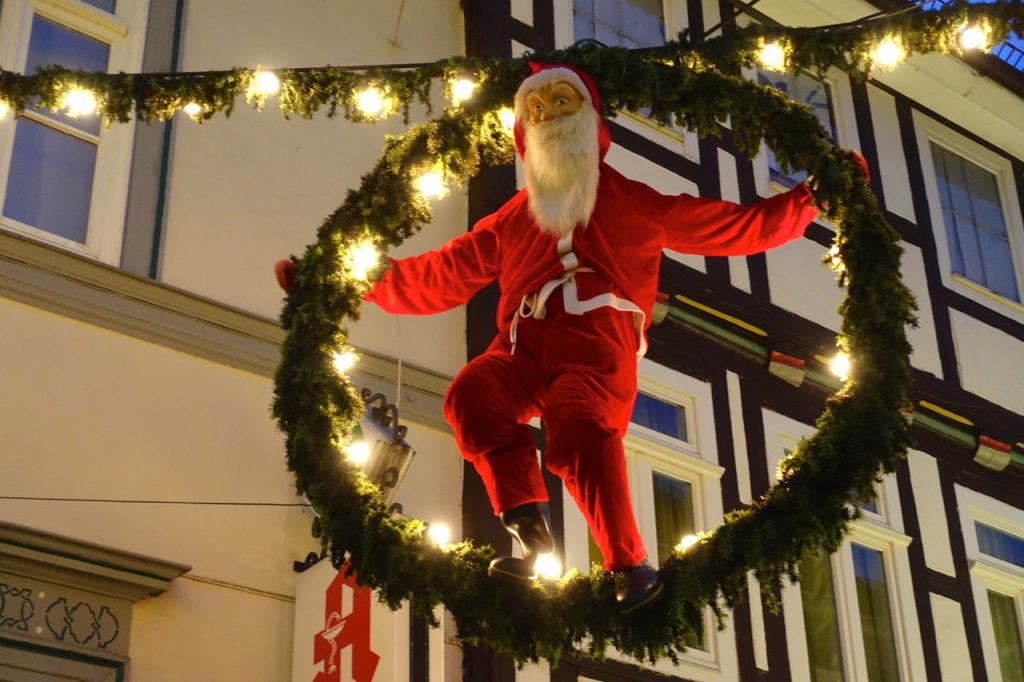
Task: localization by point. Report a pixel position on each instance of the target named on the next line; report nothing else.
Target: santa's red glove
(284, 270)
(862, 164)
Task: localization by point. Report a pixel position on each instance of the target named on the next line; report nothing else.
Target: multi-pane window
(1006, 604)
(619, 23)
(822, 624)
(63, 177)
(49, 185)
(976, 231)
(810, 90)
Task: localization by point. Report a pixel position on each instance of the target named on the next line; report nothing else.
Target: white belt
(535, 305)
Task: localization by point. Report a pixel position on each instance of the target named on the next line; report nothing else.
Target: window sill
(986, 297)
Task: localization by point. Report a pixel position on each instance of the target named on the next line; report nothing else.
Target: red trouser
(579, 373)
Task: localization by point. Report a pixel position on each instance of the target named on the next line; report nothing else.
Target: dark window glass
(875, 615)
(821, 621)
(1001, 545)
(50, 185)
(659, 415)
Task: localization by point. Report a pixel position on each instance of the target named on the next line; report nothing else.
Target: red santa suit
(572, 321)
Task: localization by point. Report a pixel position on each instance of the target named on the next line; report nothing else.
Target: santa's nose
(550, 113)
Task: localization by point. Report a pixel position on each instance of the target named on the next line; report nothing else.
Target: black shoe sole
(650, 597)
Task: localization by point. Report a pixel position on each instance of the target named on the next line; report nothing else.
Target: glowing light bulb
(974, 37)
(431, 185)
(79, 102)
(547, 566)
(687, 542)
(370, 101)
(4, 110)
(507, 118)
(343, 362)
(841, 365)
(266, 83)
(358, 452)
(462, 90)
(439, 534)
(192, 109)
(772, 56)
(836, 260)
(361, 259)
(889, 53)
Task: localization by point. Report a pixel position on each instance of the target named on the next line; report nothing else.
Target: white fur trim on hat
(549, 77)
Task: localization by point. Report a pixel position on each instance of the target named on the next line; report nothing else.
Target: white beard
(562, 171)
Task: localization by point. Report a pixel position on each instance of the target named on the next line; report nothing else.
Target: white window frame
(928, 130)
(693, 461)
(989, 572)
(883, 532)
(124, 31)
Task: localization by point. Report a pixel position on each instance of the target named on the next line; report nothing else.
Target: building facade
(148, 527)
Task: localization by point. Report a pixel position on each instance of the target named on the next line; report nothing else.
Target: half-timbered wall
(919, 537)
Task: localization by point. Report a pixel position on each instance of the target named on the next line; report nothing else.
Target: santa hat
(547, 74)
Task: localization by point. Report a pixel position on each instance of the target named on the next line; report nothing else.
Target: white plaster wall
(89, 413)
(249, 190)
(800, 282)
(954, 656)
(924, 477)
(991, 361)
(202, 631)
(739, 274)
(892, 162)
(923, 339)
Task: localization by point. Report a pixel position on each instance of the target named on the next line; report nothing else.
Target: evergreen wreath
(861, 434)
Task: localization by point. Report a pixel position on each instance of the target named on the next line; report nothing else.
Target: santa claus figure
(576, 255)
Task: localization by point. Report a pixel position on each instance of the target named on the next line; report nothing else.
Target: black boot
(637, 586)
(526, 523)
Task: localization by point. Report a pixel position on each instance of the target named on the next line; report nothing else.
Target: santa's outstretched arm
(441, 279)
(712, 227)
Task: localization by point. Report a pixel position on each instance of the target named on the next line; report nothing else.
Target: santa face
(562, 157)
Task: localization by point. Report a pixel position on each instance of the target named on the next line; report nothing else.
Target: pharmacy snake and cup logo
(343, 630)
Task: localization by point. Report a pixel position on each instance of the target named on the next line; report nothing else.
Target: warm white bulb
(370, 101)
(462, 90)
(439, 534)
(4, 110)
(431, 185)
(358, 452)
(889, 53)
(974, 37)
(507, 117)
(343, 362)
(841, 365)
(266, 83)
(361, 259)
(772, 56)
(192, 109)
(79, 102)
(547, 566)
(687, 542)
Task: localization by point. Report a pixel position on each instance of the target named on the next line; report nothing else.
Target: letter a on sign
(345, 629)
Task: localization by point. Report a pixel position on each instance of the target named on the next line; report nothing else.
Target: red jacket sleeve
(712, 227)
(442, 279)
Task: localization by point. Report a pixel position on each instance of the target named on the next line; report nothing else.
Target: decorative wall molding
(69, 594)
